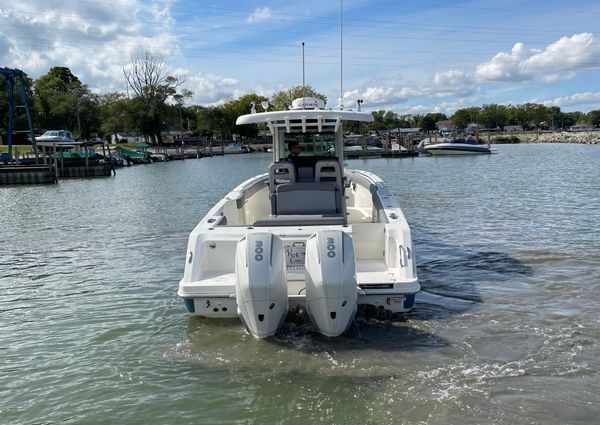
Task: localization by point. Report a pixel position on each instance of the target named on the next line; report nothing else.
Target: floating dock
(26, 174)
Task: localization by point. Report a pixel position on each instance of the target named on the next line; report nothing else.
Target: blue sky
(406, 56)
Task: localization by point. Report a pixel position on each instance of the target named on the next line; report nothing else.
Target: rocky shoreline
(583, 137)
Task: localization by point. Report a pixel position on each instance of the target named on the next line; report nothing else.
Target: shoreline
(535, 137)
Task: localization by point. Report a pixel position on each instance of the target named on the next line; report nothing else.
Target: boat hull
(376, 232)
(456, 149)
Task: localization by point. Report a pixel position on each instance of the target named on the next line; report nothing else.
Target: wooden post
(87, 162)
(110, 159)
(62, 162)
(55, 163)
(388, 141)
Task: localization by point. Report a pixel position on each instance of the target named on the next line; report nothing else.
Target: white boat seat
(308, 198)
(300, 220)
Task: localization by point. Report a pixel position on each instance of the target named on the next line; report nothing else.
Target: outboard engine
(331, 290)
(261, 288)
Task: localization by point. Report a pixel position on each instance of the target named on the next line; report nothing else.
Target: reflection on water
(505, 331)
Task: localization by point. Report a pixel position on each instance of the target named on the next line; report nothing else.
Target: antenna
(342, 54)
(303, 82)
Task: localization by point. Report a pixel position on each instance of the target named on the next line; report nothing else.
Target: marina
(505, 327)
(291, 214)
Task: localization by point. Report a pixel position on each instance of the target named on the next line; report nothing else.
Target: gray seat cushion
(307, 198)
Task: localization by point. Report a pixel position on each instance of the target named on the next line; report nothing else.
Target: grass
(21, 148)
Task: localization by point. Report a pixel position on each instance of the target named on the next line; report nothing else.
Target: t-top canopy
(305, 119)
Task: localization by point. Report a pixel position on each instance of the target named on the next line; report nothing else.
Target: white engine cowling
(331, 290)
(261, 288)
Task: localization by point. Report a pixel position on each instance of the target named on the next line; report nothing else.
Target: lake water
(505, 331)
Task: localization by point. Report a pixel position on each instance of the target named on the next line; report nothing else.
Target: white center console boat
(305, 236)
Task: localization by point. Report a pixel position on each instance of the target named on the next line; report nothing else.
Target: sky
(411, 57)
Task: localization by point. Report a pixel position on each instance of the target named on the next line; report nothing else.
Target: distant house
(412, 130)
(445, 125)
(583, 127)
(474, 128)
(125, 137)
(173, 136)
(513, 128)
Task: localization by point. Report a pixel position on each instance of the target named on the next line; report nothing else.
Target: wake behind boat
(305, 236)
(459, 146)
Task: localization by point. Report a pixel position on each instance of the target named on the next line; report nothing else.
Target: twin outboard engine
(331, 290)
(261, 289)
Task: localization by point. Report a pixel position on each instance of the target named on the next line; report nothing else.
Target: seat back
(328, 171)
(305, 174)
(281, 172)
(307, 198)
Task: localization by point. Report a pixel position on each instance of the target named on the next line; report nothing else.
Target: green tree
(593, 117)
(233, 108)
(115, 114)
(147, 77)
(493, 115)
(282, 99)
(59, 95)
(463, 117)
(428, 121)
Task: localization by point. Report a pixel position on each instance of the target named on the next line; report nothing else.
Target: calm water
(506, 330)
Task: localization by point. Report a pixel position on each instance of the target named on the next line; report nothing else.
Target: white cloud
(558, 61)
(209, 89)
(452, 83)
(91, 38)
(260, 14)
(373, 96)
(585, 98)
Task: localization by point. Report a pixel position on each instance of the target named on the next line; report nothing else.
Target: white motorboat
(307, 236)
(58, 138)
(234, 148)
(469, 146)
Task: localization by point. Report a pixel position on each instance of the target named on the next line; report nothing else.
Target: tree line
(156, 102)
(529, 116)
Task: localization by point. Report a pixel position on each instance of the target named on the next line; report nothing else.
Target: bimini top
(304, 119)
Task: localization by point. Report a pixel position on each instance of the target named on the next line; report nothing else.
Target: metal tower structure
(11, 76)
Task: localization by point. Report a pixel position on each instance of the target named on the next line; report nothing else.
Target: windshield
(311, 144)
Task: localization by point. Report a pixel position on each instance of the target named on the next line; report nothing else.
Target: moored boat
(58, 138)
(234, 148)
(469, 146)
(308, 235)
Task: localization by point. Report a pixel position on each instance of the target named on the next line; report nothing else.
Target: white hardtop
(306, 116)
(278, 118)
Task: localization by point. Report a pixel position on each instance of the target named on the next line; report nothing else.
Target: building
(125, 137)
(583, 127)
(445, 125)
(474, 128)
